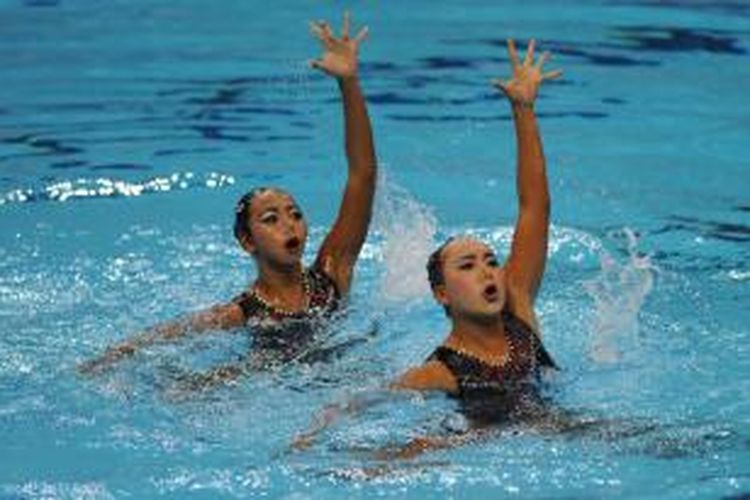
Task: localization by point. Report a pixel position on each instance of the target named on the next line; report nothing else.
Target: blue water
(129, 129)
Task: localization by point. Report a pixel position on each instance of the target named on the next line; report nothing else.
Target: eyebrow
(266, 210)
(275, 208)
(473, 256)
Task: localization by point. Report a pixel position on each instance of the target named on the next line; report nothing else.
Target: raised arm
(528, 254)
(220, 317)
(341, 247)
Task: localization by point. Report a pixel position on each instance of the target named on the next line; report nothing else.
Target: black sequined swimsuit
(288, 335)
(491, 393)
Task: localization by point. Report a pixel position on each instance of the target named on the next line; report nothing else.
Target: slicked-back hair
(242, 212)
(435, 274)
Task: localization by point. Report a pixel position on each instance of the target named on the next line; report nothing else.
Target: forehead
(465, 246)
(271, 198)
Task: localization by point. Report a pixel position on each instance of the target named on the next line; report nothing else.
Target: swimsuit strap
(324, 294)
(518, 328)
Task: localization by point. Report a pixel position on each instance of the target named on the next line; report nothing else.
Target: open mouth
(491, 293)
(293, 244)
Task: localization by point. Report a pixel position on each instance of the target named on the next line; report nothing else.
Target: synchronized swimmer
(492, 355)
(287, 303)
(495, 341)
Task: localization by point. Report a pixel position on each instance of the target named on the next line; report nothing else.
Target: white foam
(407, 228)
(619, 292)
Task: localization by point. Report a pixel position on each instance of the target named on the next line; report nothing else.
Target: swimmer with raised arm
(287, 300)
(493, 352)
(494, 341)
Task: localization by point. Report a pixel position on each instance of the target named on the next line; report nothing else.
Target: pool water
(128, 131)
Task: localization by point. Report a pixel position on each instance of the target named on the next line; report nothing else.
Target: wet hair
(242, 212)
(435, 274)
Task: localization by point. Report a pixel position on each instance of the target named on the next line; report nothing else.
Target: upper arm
(341, 247)
(431, 376)
(219, 317)
(528, 253)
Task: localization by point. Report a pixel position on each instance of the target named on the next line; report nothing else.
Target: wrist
(348, 80)
(523, 110)
(522, 105)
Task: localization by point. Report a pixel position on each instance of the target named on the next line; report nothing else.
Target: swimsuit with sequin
(489, 393)
(285, 334)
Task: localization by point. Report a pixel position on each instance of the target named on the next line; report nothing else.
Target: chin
(285, 261)
(485, 315)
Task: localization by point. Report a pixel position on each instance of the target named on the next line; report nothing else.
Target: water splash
(619, 292)
(407, 228)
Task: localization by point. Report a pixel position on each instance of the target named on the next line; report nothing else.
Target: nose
(294, 226)
(289, 223)
(488, 271)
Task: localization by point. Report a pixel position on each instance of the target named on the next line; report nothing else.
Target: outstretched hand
(527, 77)
(339, 58)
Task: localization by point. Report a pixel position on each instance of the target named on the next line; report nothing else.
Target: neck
(478, 335)
(283, 289)
(279, 278)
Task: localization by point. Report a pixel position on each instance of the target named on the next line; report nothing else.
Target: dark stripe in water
(256, 110)
(589, 115)
(211, 132)
(437, 62)
(54, 146)
(379, 66)
(68, 164)
(174, 152)
(394, 98)
(422, 81)
(41, 3)
(740, 8)
(121, 166)
(613, 100)
(221, 97)
(596, 58)
(678, 39)
(738, 496)
(725, 231)
(275, 138)
(51, 146)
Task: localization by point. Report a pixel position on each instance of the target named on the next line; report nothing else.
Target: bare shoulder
(223, 316)
(431, 376)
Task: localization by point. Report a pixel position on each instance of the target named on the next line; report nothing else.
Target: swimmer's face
(278, 231)
(474, 281)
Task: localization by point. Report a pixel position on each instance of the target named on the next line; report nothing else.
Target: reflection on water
(62, 191)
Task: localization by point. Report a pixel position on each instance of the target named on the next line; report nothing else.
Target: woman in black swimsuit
(492, 358)
(286, 300)
(494, 344)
